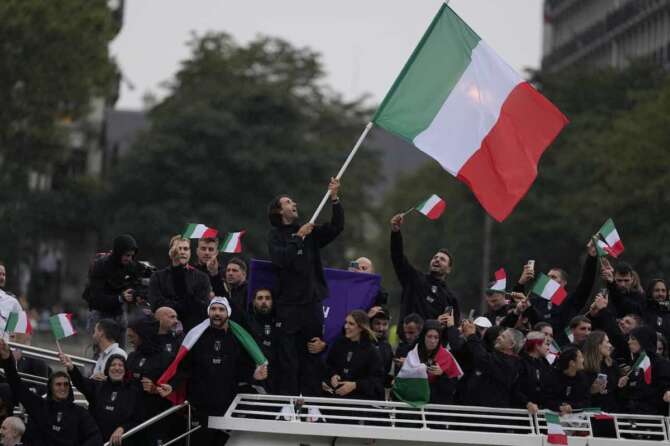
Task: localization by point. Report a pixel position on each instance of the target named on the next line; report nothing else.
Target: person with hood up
(113, 403)
(295, 252)
(645, 392)
(110, 283)
(55, 420)
(145, 365)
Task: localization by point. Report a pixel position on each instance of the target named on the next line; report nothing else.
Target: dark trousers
(300, 371)
(206, 436)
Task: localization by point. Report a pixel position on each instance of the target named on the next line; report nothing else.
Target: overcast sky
(364, 43)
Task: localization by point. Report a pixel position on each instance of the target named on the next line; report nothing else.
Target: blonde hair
(363, 321)
(592, 356)
(173, 244)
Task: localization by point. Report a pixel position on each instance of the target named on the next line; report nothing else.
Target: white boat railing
(389, 420)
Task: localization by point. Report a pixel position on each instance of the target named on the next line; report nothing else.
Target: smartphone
(602, 378)
(353, 264)
(531, 264)
(605, 292)
(449, 309)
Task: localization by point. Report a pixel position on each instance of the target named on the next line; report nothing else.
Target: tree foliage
(241, 124)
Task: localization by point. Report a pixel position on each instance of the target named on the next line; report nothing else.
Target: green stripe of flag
(429, 76)
(248, 343)
(56, 327)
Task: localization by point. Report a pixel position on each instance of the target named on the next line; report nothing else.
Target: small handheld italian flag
(433, 207)
(554, 351)
(612, 241)
(61, 325)
(233, 242)
(197, 230)
(18, 323)
(549, 289)
(644, 363)
(501, 281)
(412, 383)
(555, 433)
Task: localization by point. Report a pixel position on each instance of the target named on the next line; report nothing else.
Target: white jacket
(8, 304)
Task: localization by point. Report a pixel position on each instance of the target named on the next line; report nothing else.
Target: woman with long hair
(571, 388)
(657, 309)
(353, 365)
(602, 371)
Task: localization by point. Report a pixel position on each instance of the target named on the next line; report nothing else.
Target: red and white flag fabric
(644, 363)
(433, 207)
(555, 432)
(460, 103)
(233, 242)
(61, 325)
(547, 288)
(500, 283)
(612, 241)
(197, 230)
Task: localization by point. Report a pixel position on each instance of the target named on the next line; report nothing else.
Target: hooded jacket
(52, 423)
(638, 396)
(108, 278)
(112, 404)
(298, 262)
(265, 331)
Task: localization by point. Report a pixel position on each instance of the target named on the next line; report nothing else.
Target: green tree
(241, 124)
(53, 60)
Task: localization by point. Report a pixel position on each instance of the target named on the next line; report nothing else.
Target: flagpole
(342, 169)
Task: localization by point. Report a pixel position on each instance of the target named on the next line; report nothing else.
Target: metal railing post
(189, 427)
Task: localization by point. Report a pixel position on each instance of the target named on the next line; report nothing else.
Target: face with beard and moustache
(263, 301)
(218, 316)
(440, 264)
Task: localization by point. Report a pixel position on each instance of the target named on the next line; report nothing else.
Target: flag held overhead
(459, 102)
(547, 288)
(197, 230)
(433, 207)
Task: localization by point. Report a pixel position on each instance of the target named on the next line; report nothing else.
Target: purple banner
(347, 291)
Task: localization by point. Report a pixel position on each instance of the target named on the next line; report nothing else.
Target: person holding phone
(441, 377)
(602, 371)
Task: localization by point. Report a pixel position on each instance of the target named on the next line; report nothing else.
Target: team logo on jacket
(59, 417)
(659, 321)
(568, 390)
(349, 355)
(433, 289)
(142, 361)
(430, 299)
(168, 348)
(217, 346)
(268, 329)
(113, 396)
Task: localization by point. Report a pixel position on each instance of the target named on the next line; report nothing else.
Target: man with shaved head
(365, 265)
(168, 337)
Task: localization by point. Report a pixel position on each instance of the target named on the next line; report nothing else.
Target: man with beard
(296, 255)
(180, 286)
(426, 294)
(236, 283)
(212, 368)
(623, 297)
(56, 419)
(263, 323)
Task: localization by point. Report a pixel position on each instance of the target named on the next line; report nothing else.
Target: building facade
(605, 32)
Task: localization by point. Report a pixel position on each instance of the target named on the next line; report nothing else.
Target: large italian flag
(460, 103)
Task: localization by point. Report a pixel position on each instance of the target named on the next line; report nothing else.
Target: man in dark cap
(110, 283)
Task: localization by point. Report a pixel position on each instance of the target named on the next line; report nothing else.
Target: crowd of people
(604, 346)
